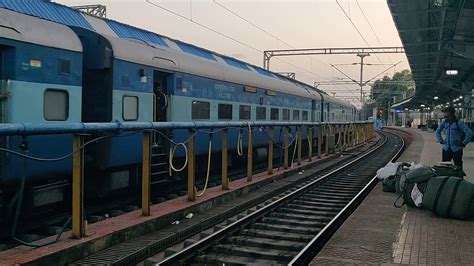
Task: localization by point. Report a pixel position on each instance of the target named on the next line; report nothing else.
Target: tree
(388, 90)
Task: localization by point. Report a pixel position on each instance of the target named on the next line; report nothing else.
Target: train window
(200, 110)
(305, 115)
(245, 112)
(274, 114)
(261, 113)
(130, 108)
(286, 114)
(64, 67)
(225, 111)
(296, 115)
(56, 105)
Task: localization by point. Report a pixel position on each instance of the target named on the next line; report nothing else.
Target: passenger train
(81, 68)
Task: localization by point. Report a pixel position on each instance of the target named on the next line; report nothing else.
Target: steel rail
(192, 250)
(314, 246)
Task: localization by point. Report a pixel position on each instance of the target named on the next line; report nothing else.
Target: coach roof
(29, 29)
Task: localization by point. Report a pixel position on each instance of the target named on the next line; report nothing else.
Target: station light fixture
(451, 72)
(406, 109)
(422, 105)
(460, 97)
(439, 3)
(436, 98)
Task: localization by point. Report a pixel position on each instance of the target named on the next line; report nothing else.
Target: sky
(252, 26)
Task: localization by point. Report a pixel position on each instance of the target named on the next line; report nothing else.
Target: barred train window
(296, 115)
(274, 114)
(225, 111)
(200, 110)
(305, 115)
(130, 108)
(245, 112)
(261, 113)
(286, 114)
(56, 105)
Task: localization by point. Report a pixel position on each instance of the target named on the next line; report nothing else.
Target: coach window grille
(286, 114)
(245, 112)
(296, 115)
(305, 115)
(200, 110)
(261, 113)
(274, 114)
(224, 111)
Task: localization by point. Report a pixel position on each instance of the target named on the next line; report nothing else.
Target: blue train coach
(61, 65)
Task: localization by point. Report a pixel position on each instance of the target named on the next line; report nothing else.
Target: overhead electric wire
(356, 28)
(273, 36)
(373, 31)
(263, 30)
(202, 25)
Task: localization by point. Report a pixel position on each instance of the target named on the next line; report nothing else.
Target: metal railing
(349, 134)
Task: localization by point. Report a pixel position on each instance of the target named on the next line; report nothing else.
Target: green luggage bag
(450, 197)
(389, 183)
(419, 176)
(448, 170)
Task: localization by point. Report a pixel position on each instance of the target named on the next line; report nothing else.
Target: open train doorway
(160, 91)
(160, 151)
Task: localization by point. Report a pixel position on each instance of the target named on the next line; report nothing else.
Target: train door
(3, 86)
(3, 104)
(160, 91)
(160, 166)
(328, 113)
(313, 111)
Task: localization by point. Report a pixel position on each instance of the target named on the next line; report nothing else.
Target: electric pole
(361, 83)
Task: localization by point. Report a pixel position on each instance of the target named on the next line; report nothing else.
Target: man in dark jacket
(454, 142)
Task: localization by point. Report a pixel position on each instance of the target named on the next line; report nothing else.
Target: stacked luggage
(440, 189)
(413, 185)
(450, 196)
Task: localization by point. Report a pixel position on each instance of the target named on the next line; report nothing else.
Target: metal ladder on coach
(159, 160)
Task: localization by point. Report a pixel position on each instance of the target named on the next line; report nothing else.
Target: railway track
(293, 228)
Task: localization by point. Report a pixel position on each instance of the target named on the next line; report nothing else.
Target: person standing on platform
(458, 135)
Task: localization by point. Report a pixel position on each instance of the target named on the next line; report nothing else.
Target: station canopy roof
(438, 36)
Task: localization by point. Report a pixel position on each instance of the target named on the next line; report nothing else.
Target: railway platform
(377, 232)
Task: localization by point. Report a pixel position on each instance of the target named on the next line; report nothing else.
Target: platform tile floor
(379, 233)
